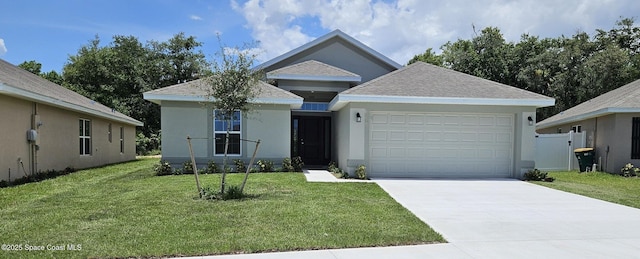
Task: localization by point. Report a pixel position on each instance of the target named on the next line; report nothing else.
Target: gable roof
(327, 37)
(19, 83)
(313, 70)
(624, 99)
(428, 84)
(196, 91)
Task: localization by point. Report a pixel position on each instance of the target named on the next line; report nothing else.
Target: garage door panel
(397, 135)
(440, 145)
(378, 152)
(378, 135)
(379, 119)
(415, 136)
(396, 152)
(415, 119)
(398, 119)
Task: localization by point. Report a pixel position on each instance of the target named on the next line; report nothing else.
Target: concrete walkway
(499, 218)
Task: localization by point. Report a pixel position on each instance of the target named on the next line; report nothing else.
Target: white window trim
(83, 137)
(231, 132)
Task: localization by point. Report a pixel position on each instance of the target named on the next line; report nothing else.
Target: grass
(603, 186)
(125, 211)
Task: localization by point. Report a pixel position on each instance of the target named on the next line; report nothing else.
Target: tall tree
(36, 68)
(571, 69)
(429, 56)
(31, 66)
(118, 73)
(231, 87)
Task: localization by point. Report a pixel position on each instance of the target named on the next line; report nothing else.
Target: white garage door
(440, 145)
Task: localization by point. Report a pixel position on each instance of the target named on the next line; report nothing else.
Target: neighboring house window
(635, 138)
(85, 137)
(110, 133)
(121, 139)
(220, 131)
(577, 128)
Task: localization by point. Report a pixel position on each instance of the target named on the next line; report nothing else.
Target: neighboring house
(48, 127)
(611, 122)
(335, 99)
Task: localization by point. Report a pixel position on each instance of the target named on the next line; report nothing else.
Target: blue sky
(50, 31)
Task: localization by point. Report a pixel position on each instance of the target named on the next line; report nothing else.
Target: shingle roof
(23, 84)
(426, 80)
(623, 99)
(425, 83)
(196, 91)
(313, 70)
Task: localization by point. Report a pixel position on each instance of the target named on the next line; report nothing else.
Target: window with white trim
(220, 131)
(85, 137)
(121, 139)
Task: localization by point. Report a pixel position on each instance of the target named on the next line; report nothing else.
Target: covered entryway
(412, 144)
(311, 139)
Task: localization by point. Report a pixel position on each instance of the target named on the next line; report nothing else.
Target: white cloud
(3, 48)
(195, 17)
(401, 29)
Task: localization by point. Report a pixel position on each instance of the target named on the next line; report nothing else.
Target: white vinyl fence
(554, 152)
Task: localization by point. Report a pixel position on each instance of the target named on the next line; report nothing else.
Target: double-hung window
(85, 137)
(220, 124)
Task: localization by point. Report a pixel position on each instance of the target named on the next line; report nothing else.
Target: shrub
(232, 193)
(297, 164)
(147, 145)
(629, 170)
(187, 167)
(211, 168)
(37, 177)
(361, 172)
(537, 175)
(332, 167)
(240, 167)
(265, 165)
(163, 168)
(287, 166)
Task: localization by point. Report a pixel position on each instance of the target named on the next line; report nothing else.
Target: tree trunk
(224, 161)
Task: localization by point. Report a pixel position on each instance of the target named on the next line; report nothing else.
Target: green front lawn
(603, 186)
(125, 211)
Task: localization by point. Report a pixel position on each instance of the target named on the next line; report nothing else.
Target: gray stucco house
(611, 122)
(336, 99)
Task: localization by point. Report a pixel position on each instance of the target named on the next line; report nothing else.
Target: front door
(311, 138)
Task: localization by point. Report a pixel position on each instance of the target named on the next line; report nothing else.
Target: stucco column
(357, 136)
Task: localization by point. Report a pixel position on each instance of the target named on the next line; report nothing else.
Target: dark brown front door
(311, 138)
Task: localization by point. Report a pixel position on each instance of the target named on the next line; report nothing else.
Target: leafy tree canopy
(570, 69)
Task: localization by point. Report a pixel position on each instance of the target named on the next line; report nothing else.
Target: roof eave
(354, 79)
(20, 93)
(586, 116)
(295, 103)
(342, 99)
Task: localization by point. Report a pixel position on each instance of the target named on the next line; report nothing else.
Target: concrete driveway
(504, 218)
